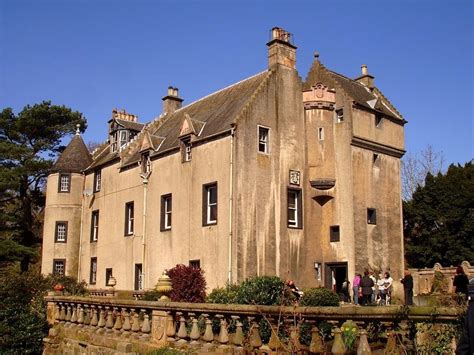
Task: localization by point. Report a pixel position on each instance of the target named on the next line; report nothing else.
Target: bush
(223, 295)
(71, 285)
(188, 284)
(263, 290)
(151, 295)
(319, 297)
(440, 283)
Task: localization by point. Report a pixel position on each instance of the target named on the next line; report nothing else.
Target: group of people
(368, 290)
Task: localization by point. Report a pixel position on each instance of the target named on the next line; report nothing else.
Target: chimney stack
(172, 101)
(366, 79)
(281, 49)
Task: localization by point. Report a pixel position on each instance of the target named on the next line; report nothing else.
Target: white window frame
(294, 214)
(209, 205)
(64, 182)
(187, 151)
(93, 275)
(339, 115)
(129, 227)
(167, 213)
(61, 270)
(61, 232)
(263, 141)
(97, 180)
(123, 138)
(95, 226)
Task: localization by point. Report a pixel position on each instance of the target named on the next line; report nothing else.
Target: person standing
(374, 288)
(355, 288)
(407, 282)
(387, 283)
(345, 291)
(366, 283)
(460, 282)
(466, 342)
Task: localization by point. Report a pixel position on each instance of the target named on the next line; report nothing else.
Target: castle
(273, 175)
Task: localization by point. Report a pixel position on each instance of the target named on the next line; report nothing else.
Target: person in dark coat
(366, 284)
(460, 283)
(407, 282)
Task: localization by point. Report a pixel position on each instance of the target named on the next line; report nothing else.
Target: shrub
(440, 283)
(223, 295)
(188, 284)
(151, 295)
(319, 297)
(71, 285)
(263, 290)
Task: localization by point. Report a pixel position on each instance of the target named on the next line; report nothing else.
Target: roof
(372, 99)
(75, 158)
(136, 126)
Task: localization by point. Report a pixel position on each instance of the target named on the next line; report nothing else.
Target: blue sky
(96, 55)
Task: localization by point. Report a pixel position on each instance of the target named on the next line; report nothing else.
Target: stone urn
(163, 286)
(58, 288)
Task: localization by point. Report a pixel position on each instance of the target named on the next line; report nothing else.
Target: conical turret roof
(75, 158)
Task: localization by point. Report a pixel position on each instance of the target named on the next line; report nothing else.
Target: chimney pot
(170, 90)
(364, 69)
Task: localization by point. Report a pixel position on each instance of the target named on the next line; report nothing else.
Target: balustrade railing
(242, 328)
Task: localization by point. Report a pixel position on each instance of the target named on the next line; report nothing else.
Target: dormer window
(186, 149)
(123, 127)
(378, 120)
(145, 163)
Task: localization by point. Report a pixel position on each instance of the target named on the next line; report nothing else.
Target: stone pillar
(158, 327)
(51, 312)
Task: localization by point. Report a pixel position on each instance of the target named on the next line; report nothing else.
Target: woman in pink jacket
(355, 287)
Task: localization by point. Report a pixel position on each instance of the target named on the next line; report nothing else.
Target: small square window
(339, 115)
(97, 180)
(195, 264)
(334, 234)
(166, 212)
(93, 271)
(186, 149)
(129, 218)
(95, 226)
(209, 204)
(371, 216)
(64, 183)
(59, 267)
(263, 139)
(60, 235)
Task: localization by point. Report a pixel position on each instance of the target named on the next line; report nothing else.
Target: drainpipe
(231, 198)
(145, 190)
(84, 193)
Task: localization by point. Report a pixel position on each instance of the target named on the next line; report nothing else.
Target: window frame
(195, 263)
(108, 274)
(60, 185)
(186, 149)
(92, 272)
(378, 120)
(63, 261)
(340, 115)
(372, 216)
(56, 234)
(207, 205)
(321, 133)
(129, 218)
(97, 180)
(94, 226)
(166, 214)
(334, 233)
(265, 143)
(296, 223)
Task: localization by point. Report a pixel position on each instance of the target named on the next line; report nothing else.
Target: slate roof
(360, 93)
(75, 158)
(136, 126)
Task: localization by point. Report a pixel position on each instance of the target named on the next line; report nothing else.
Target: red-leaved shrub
(188, 284)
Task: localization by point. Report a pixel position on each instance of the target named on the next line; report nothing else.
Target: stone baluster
(135, 324)
(338, 346)
(194, 335)
(126, 326)
(74, 314)
(80, 317)
(146, 327)
(87, 315)
(109, 324)
(62, 315)
(170, 327)
(101, 323)
(364, 347)
(208, 336)
(238, 339)
(255, 339)
(118, 321)
(274, 343)
(316, 345)
(223, 337)
(94, 317)
(68, 313)
(57, 313)
(182, 333)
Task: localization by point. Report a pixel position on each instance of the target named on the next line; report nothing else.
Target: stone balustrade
(131, 326)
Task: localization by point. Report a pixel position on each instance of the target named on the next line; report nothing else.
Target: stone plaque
(295, 177)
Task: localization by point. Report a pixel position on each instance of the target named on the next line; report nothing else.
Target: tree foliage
(439, 220)
(188, 283)
(29, 141)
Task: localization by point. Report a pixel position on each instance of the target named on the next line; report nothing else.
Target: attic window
(186, 149)
(263, 139)
(339, 115)
(145, 163)
(378, 120)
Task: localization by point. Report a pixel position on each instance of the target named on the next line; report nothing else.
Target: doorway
(335, 275)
